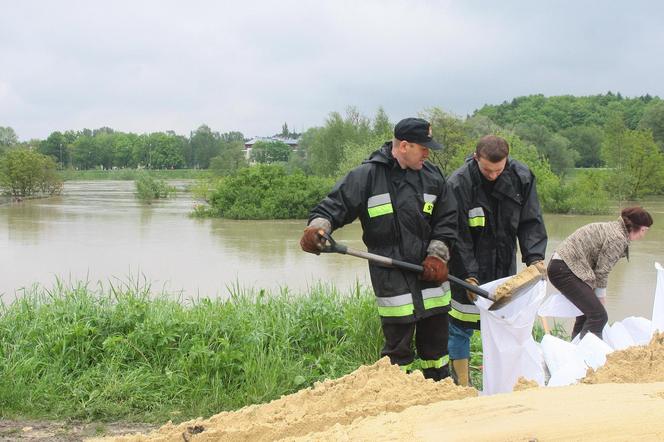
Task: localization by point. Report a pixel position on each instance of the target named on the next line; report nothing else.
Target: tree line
(584, 151)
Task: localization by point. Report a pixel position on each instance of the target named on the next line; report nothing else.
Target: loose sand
(624, 400)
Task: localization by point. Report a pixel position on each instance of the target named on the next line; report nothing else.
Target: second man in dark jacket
(497, 203)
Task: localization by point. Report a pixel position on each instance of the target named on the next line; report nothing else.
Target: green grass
(131, 174)
(124, 353)
(121, 354)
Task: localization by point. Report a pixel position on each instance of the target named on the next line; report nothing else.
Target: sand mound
(381, 402)
(368, 391)
(524, 384)
(633, 365)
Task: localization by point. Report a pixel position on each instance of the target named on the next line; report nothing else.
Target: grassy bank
(120, 355)
(124, 354)
(131, 174)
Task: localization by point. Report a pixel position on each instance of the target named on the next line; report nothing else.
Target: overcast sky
(249, 66)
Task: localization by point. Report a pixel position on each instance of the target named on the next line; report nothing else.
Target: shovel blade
(505, 300)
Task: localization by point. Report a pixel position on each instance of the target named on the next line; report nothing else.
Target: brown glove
(312, 240)
(435, 270)
(472, 296)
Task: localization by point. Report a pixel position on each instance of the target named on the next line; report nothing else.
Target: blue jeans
(458, 343)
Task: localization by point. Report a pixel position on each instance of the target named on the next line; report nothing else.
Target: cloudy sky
(245, 65)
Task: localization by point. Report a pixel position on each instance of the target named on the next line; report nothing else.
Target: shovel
(335, 247)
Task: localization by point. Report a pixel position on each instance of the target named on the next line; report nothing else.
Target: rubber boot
(461, 371)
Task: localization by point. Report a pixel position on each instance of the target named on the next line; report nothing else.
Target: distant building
(248, 145)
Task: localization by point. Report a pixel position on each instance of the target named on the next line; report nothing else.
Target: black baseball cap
(416, 130)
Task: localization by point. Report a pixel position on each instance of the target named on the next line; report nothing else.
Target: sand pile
(380, 402)
(368, 391)
(632, 365)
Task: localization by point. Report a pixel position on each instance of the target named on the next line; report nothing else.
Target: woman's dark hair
(635, 217)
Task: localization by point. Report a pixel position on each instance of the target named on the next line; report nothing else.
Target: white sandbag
(639, 329)
(557, 352)
(658, 306)
(593, 350)
(568, 374)
(558, 306)
(509, 350)
(617, 336)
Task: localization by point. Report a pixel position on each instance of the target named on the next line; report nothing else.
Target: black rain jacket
(401, 211)
(486, 246)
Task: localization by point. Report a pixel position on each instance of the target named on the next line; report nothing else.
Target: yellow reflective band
(434, 363)
(428, 208)
(406, 368)
(438, 301)
(478, 221)
(466, 317)
(401, 310)
(383, 209)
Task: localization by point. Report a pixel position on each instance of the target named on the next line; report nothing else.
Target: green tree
(449, 131)
(232, 156)
(636, 162)
(653, 120)
(323, 145)
(587, 142)
(382, 127)
(84, 153)
(7, 137)
(56, 146)
(26, 173)
(267, 152)
(205, 144)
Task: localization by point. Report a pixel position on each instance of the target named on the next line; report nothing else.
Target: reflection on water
(98, 230)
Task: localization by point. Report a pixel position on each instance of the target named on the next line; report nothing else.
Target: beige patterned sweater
(592, 251)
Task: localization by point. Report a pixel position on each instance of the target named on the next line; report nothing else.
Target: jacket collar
(504, 187)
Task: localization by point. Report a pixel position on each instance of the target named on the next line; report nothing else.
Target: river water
(98, 231)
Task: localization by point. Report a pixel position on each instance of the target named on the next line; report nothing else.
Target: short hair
(493, 148)
(635, 218)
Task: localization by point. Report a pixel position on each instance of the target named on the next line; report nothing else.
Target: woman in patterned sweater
(580, 267)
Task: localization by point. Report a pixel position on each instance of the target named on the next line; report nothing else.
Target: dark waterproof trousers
(580, 294)
(430, 342)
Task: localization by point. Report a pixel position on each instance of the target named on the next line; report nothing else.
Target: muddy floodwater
(98, 231)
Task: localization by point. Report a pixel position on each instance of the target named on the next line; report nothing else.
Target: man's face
(491, 171)
(414, 155)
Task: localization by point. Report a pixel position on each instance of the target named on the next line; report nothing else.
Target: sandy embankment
(624, 400)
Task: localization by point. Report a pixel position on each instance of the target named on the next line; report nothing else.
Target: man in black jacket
(406, 214)
(497, 203)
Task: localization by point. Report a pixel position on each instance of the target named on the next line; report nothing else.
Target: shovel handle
(335, 247)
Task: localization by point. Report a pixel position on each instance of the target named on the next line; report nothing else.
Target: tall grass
(119, 353)
(124, 353)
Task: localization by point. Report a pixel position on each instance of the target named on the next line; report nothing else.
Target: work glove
(312, 240)
(435, 270)
(472, 296)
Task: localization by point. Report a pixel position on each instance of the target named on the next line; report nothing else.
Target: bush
(24, 173)
(266, 192)
(149, 188)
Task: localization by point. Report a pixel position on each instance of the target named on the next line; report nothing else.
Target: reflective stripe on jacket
(486, 246)
(401, 211)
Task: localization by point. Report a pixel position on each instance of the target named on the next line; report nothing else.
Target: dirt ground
(623, 400)
(59, 431)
